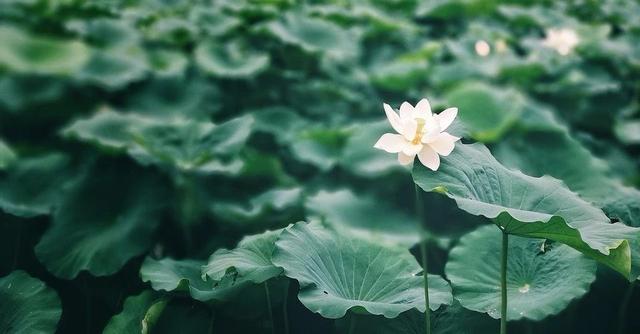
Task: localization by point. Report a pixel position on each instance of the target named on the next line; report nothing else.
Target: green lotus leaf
(106, 128)
(399, 75)
(319, 147)
(251, 259)
(23, 52)
(180, 276)
(167, 62)
(527, 206)
(338, 274)
(282, 122)
(542, 279)
(269, 208)
(18, 92)
(583, 173)
(188, 145)
(628, 131)
(32, 186)
(106, 218)
(170, 96)
(361, 158)
(105, 32)
(184, 277)
(365, 217)
(230, 60)
(212, 21)
(27, 305)
(139, 314)
(176, 30)
(7, 156)
(314, 35)
(114, 69)
(486, 111)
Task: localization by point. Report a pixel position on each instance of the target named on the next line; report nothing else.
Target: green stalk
(503, 283)
(285, 313)
(624, 306)
(423, 255)
(352, 323)
(268, 296)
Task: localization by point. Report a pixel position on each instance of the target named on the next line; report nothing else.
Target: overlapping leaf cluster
(147, 145)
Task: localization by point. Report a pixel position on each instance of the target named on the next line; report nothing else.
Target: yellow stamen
(418, 137)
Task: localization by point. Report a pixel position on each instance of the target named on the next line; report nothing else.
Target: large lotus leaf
(167, 62)
(22, 91)
(171, 96)
(319, 147)
(527, 206)
(105, 32)
(180, 276)
(186, 145)
(212, 21)
(22, 52)
(114, 69)
(139, 314)
(106, 128)
(337, 274)
(361, 158)
(230, 60)
(7, 156)
(107, 217)
(582, 173)
(271, 207)
(27, 305)
(191, 145)
(399, 75)
(486, 111)
(32, 186)
(184, 277)
(365, 217)
(541, 279)
(282, 122)
(314, 35)
(628, 131)
(251, 259)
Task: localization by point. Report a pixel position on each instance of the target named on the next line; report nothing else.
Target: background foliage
(146, 145)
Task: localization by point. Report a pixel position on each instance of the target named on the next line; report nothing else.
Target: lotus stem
(503, 283)
(352, 323)
(624, 306)
(285, 313)
(423, 255)
(268, 297)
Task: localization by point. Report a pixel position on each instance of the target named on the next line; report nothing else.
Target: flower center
(418, 137)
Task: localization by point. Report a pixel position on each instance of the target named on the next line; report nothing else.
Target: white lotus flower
(562, 40)
(420, 133)
(482, 48)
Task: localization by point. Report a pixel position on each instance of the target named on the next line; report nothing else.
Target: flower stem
(624, 306)
(503, 283)
(352, 323)
(423, 255)
(268, 297)
(285, 312)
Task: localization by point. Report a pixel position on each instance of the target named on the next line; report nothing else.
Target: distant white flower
(501, 46)
(562, 40)
(420, 133)
(482, 48)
